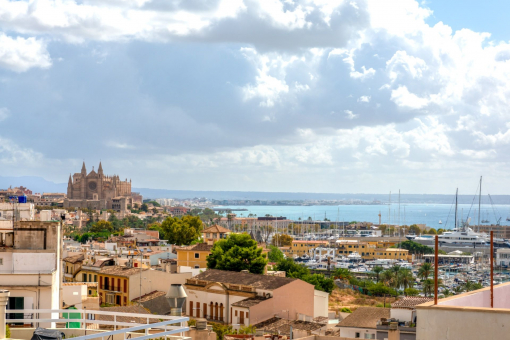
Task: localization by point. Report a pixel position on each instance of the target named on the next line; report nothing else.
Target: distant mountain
(39, 184)
(36, 184)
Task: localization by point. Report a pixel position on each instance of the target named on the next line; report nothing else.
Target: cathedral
(97, 190)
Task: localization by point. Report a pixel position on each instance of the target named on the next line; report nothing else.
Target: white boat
(354, 257)
(440, 222)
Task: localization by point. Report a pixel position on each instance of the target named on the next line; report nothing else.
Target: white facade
(74, 295)
(402, 314)
(320, 303)
(45, 215)
(357, 333)
(503, 257)
(21, 211)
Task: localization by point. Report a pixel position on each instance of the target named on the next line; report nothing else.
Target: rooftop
(249, 302)
(311, 242)
(125, 309)
(74, 259)
(216, 229)
(410, 302)
(150, 296)
(365, 317)
(120, 271)
(246, 279)
(197, 247)
(276, 324)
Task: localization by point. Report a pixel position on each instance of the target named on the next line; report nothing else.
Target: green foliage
(342, 274)
(101, 226)
(380, 289)
(144, 207)
(192, 322)
(346, 310)
(411, 292)
(377, 271)
(432, 231)
(415, 247)
(247, 329)
(414, 229)
(425, 270)
(299, 271)
(181, 231)
(221, 330)
(282, 240)
(154, 203)
(237, 252)
(7, 331)
(275, 254)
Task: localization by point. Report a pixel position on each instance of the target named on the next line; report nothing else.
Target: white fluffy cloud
(20, 54)
(338, 85)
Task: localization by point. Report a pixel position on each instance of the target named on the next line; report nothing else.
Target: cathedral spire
(70, 179)
(100, 169)
(83, 169)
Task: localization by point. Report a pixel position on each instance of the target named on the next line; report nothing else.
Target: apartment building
(30, 258)
(243, 298)
(194, 256)
(215, 233)
(300, 248)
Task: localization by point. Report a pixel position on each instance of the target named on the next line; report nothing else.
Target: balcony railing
(112, 288)
(170, 325)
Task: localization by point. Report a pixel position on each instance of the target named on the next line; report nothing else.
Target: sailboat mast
(456, 197)
(479, 203)
(399, 215)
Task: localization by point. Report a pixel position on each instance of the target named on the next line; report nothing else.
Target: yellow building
(367, 250)
(215, 233)
(72, 266)
(194, 256)
(392, 253)
(300, 248)
(114, 285)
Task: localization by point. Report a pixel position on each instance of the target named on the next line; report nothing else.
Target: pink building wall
(297, 297)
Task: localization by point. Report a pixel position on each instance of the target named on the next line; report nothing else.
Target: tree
(320, 282)
(154, 210)
(275, 254)
(414, 229)
(237, 252)
(181, 231)
(102, 226)
(405, 278)
(425, 270)
(415, 247)
(292, 269)
(428, 287)
(377, 271)
(432, 231)
(411, 292)
(342, 274)
(282, 240)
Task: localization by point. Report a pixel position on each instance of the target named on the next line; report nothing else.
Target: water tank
(22, 199)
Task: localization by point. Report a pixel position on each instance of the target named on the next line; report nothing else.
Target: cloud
(4, 113)
(21, 54)
(402, 97)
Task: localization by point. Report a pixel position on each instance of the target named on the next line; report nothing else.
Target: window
(95, 278)
(197, 267)
(1, 262)
(197, 255)
(90, 277)
(84, 277)
(369, 336)
(357, 335)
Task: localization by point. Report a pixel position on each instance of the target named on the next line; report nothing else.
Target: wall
(349, 332)
(187, 258)
(26, 333)
(154, 280)
(193, 271)
(401, 314)
(320, 303)
(74, 295)
(461, 324)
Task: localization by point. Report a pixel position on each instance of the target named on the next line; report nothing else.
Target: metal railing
(170, 325)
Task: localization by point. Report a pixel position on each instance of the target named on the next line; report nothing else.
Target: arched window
(216, 311)
(221, 312)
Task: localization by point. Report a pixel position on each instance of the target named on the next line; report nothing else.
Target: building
(365, 249)
(72, 266)
(392, 253)
(300, 248)
(466, 316)
(215, 233)
(242, 298)
(30, 265)
(500, 231)
(503, 257)
(177, 211)
(97, 191)
(17, 211)
(405, 308)
(194, 256)
(362, 323)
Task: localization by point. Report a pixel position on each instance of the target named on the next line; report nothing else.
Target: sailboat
(485, 220)
(440, 222)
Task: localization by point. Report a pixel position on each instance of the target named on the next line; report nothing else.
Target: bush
(411, 292)
(7, 331)
(192, 322)
(346, 310)
(382, 305)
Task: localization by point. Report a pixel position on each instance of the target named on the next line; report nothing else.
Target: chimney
(176, 298)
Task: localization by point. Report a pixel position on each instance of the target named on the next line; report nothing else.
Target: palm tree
(447, 292)
(388, 277)
(428, 287)
(405, 278)
(425, 271)
(377, 271)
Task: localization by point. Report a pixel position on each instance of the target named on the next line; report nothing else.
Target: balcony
(111, 288)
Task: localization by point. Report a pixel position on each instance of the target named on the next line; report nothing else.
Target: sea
(428, 214)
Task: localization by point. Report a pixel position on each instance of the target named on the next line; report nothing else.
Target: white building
(503, 257)
(362, 323)
(20, 211)
(30, 265)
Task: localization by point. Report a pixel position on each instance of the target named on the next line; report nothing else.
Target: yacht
(465, 236)
(440, 222)
(354, 257)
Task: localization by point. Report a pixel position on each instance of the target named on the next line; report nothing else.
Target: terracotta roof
(100, 263)
(249, 302)
(120, 271)
(365, 317)
(126, 309)
(197, 247)
(150, 296)
(216, 229)
(410, 302)
(74, 258)
(246, 279)
(282, 326)
(311, 242)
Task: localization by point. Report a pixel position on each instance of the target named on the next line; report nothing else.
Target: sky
(361, 96)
